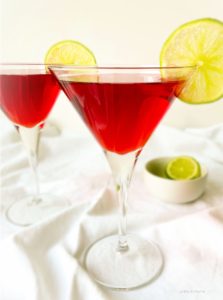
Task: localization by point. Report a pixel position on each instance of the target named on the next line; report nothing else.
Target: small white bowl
(172, 191)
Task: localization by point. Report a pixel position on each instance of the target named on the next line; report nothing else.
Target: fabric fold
(45, 261)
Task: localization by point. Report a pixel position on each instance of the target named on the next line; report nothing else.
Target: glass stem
(122, 166)
(33, 164)
(122, 190)
(30, 139)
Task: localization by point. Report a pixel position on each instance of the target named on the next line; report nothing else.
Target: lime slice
(198, 43)
(70, 52)
(183, 168)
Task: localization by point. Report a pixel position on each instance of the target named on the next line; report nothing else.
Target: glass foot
(138, 265)
(28, 211)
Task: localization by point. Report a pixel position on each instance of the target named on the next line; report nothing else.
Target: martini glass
(27, 94)
(122, 106)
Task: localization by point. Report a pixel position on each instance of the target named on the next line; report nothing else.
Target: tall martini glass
(122, 106)
(27, 95)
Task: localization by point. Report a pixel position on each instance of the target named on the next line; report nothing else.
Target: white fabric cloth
(42, 262)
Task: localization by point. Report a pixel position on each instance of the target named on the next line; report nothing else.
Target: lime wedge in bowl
(183, 168)
(197, 43)
(69, 52)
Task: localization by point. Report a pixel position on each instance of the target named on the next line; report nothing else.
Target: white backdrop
(117, 31)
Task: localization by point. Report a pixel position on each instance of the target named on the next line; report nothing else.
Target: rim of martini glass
(104, 67)
(11, 64)
(122, 67)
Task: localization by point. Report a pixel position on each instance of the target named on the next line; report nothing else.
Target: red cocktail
(27, 99)
(121, 111)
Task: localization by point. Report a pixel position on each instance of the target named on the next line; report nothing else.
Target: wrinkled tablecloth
(42, 262)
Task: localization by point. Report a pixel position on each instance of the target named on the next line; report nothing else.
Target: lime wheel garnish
(69, 52)
(198, 43)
